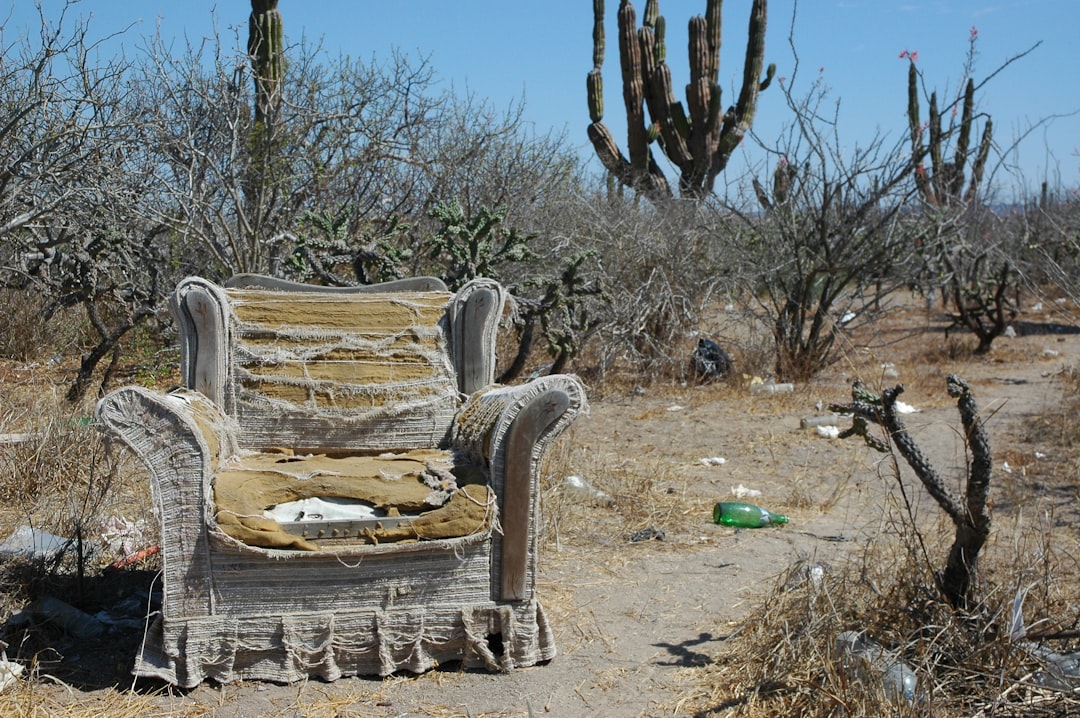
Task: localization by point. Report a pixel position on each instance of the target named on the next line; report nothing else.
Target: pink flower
(903, 54)
(782, 79)
(914, 56)
(974, 33)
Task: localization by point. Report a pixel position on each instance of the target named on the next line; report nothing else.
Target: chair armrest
(181, 437)
(512, 427)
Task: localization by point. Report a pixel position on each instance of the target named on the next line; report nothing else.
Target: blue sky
(541, 51)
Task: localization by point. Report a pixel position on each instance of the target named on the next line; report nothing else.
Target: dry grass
(783, 660)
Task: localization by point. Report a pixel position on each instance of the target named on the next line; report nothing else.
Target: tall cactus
(267, 59)
(942, 185)
(698, 143)
(267, 56)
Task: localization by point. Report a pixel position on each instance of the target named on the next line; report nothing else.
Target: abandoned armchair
(341, 487)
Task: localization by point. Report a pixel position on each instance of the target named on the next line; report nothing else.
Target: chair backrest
(333, 370)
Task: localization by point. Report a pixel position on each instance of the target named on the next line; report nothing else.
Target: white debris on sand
(741, 492)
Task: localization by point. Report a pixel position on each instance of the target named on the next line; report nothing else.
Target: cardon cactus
(267, 58)
(942, 184)
(699, 141)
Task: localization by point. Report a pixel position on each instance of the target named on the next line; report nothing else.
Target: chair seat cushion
(444, 494)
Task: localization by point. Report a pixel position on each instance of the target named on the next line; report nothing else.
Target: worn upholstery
(384, 394)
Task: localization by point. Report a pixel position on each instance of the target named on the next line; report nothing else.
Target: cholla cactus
(699, 142)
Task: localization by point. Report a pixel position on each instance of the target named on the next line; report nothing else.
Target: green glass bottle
(745, 516)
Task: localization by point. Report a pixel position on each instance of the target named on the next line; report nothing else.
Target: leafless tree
(69, 193)
(826, 242)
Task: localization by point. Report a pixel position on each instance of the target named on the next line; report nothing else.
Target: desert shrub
(30, 336)
(660, 269)
(784, 659)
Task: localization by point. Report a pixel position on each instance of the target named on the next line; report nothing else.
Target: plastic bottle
(866, 659)
(772, 388)
(745, 516)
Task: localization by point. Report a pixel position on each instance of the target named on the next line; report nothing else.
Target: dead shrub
(30, 335)
(784, 661)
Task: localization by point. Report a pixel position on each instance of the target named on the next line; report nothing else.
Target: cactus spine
(942, 185)
(699, 142)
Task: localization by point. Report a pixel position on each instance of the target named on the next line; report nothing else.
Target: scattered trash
(1050, 353)
(674, 407)
(902, 408)
(848, 317)
(1040, 455)
(864, 659)
(1005, 467)
(28, 542)
(824, 420)
(581, 487)
(649, 534)
(1037, 307)
(741, 492)
(805, 572)
(745, 516)
(1062, 669)
(9, 671)
(133, 558)
(888, 371)
(709, 361)
(319, 508)
(829, 432)
(78, 624)
(763, 388)
(122, 537)
(1009, 332)
(713, 461)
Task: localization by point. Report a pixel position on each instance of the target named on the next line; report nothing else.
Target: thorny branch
(970, 514)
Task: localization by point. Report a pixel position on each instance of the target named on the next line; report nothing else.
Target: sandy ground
(633, 619)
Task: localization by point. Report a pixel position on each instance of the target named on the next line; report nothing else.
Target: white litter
(581, 487)
(713, 461)
(1005, 467)
(829, 432)
(674, 407)
(29, 542)
(1040, 455)
(902, 408)
(323, 509)
(741, 492)
(9, 671)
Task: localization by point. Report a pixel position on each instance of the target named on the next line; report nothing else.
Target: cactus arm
(979, 165)
(937, 160)
(737, 123)
(963, 139)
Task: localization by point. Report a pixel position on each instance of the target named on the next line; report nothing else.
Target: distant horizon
(541, 56)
